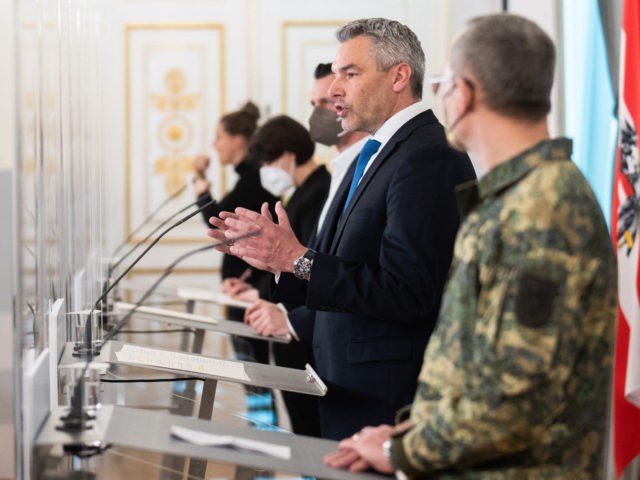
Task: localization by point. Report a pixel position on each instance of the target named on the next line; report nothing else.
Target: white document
(205, 295)
(182, 361)
(209, 439)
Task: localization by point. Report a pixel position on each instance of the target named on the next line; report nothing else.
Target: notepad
(186, 362)
(209, 439)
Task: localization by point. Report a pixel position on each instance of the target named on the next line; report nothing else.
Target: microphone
(74, 421)
(87, 348)
(118, 326)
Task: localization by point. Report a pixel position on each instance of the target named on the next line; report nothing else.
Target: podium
(210, 369)
(149, 430)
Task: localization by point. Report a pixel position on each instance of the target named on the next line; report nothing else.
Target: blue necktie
(369, 149)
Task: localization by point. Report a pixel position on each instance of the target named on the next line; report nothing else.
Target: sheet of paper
(205, 295)
(182, 361)
(209, 439)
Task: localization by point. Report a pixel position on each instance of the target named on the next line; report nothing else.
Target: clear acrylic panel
(59, 192)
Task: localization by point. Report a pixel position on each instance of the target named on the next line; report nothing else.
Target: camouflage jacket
(515, 380)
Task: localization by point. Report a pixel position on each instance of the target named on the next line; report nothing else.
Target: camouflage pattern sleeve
(516, 376)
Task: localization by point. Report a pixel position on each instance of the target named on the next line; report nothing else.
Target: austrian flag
(625, 232)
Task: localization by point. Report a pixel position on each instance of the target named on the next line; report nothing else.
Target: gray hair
(512, 59)
(391, 43)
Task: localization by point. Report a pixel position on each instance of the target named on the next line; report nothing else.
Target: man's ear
(466, 93)
(402, 74)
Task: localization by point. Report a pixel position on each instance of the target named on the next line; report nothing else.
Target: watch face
(302, 268)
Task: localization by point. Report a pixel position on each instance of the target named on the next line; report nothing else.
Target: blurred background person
(233, 132)
(268, 318)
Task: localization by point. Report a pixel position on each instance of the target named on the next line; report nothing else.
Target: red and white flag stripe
(626, 234)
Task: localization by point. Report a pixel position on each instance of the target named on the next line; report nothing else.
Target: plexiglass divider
(59, 194)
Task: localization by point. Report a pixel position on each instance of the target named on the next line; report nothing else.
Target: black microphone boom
(154, 231)
(75, 420)
(112, 266)
(164, 275)
(118, 326)
(88, 347)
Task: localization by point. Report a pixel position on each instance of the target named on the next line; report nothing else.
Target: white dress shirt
(339, 166)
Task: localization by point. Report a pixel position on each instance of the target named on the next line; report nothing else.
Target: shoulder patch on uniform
(536, 296)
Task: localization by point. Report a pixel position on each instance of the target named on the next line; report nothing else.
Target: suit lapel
(325, 236)
(399, 137)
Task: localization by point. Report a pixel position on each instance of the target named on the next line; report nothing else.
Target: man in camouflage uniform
(515, 379)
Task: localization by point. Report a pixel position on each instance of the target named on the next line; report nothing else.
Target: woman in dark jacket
(233, 132)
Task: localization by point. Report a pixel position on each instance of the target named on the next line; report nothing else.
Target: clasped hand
(362, 451)
(273, 249)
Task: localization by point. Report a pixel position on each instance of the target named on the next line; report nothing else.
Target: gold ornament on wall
(175, 89)
(175, 130)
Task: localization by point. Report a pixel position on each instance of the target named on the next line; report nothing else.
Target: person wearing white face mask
(284, 149)
(275, 180)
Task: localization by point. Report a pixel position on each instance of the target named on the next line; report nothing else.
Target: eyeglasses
(436, 81)
(439, 79)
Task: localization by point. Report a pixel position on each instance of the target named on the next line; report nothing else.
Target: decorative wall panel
(175, 86)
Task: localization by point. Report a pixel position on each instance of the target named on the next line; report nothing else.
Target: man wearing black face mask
(325, 128)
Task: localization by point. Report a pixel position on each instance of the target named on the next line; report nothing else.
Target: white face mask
(275, 180)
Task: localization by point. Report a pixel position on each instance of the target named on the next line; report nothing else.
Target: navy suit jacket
(376, 284)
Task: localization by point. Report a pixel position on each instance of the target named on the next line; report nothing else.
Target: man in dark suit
(377, 277)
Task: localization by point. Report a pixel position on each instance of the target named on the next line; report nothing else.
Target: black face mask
(325, 126)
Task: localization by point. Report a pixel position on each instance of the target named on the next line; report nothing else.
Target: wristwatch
(302, 265)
